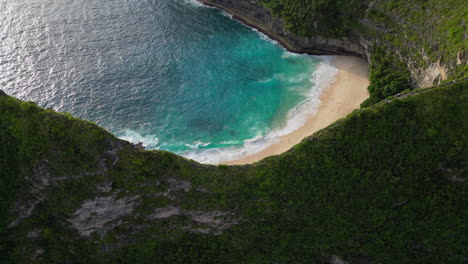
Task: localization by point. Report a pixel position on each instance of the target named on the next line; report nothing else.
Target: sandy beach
(338, 100)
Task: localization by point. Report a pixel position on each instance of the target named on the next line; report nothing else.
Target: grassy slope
(375, 186)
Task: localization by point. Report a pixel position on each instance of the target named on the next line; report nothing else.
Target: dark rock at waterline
(252, 13)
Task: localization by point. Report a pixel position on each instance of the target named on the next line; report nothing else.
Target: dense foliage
(386, 78)
(380, 185)
(328, 18)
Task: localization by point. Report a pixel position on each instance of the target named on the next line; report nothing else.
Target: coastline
(258, 17)
(339, 99)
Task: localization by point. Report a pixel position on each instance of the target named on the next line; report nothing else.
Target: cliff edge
(386, 184)
(430, 51)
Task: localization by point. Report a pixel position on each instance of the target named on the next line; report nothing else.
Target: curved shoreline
(338, 100)
(258, 27)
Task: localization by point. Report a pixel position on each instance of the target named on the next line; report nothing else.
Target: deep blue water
(169, 73)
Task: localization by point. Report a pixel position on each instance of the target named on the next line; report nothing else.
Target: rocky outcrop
(102, 214)
(202, 222)
(42, 179)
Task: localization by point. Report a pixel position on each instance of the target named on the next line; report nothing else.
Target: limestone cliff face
(426, 73)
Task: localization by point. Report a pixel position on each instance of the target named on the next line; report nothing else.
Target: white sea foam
(150, 141)
(265, 80)
(230, 142)
(226, 14)
(264, 36)
(197, 145)
(218, 155)
(195, 3)
(323, 76)
(298, 78)
(289, 54)
(261, 34)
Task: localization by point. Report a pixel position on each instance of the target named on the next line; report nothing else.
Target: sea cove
(321, 175)
(173, 75)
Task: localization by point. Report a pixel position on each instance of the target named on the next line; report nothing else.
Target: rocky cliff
(378, 27)
(254, 14)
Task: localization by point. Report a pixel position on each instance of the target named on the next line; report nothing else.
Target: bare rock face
(165, 212)
(336, 260)
(433, 73)
(40, 180)
(105, 187)
(202, 222)
(176, 186)
(98, 215)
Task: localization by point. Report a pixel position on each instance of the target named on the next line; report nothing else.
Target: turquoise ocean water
(171, 74)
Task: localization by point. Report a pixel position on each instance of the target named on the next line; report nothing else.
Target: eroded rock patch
(98, 215)
(202, 222)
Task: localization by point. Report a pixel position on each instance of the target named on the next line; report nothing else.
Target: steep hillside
(408, 43)
(385, 185)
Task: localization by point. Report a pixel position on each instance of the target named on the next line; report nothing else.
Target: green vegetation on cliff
(386, 184)
(406, 34)
(327, 18)
(387, 78)
(433, 28)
